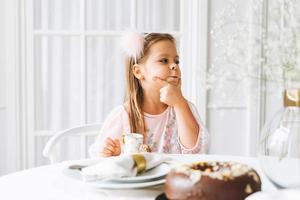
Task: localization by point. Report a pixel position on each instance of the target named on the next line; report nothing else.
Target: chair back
(71, 143)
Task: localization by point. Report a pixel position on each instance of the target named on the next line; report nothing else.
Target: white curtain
(57, 58)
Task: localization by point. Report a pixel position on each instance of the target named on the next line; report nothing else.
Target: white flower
(275, 49)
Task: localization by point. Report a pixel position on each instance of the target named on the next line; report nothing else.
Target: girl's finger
(109, 148)
(117, 143)
(110, 141)
(117, 148)
(106, 151)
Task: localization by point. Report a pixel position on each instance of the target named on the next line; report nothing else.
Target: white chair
(83, 132)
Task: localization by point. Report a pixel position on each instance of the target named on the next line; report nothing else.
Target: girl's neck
(152, 104)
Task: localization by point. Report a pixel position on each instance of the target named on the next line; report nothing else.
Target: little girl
(154, 105)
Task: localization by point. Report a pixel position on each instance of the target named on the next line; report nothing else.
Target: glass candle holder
(279, 148)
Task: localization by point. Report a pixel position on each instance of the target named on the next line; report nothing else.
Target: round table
(48, 182)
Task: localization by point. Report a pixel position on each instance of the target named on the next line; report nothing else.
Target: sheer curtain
(60, 57)
(57, 58)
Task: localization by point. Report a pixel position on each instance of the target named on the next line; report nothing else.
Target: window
(75, 66)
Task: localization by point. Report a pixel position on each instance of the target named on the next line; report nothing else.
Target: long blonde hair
(134, 91)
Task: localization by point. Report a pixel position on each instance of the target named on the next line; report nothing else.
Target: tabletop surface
(48, 182)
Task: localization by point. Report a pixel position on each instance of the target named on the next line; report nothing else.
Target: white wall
(8, 134)
(3, 155)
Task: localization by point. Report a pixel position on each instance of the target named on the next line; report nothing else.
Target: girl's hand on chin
(170, 93)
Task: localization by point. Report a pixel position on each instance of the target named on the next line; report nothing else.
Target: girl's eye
(164, 61)
(177, 62)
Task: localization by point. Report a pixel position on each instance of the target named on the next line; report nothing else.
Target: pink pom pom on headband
(133, 44)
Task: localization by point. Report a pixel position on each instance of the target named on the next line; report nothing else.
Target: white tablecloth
(48, 182)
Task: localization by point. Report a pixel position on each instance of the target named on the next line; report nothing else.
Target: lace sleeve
(112, 127)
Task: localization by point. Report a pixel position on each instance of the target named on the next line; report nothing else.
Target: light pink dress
(161, 132)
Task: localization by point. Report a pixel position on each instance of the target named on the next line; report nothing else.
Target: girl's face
(162, 61)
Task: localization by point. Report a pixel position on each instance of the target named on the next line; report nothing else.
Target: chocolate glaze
(217, 181)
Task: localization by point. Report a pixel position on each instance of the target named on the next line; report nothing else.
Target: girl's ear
(137, 72)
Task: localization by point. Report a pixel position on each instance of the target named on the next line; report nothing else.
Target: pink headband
(133, 44)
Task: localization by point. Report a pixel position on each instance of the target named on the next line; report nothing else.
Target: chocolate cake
(212, 181)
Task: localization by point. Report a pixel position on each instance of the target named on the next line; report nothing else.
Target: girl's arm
(202, 141)
(193, 137)
(188, 127)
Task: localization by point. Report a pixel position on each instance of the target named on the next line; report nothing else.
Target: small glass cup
(132, 143)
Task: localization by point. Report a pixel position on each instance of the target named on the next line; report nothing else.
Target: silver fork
(77, 167)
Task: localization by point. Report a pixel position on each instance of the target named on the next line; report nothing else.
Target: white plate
(156, 173)
(108, 184)
(120, 185)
